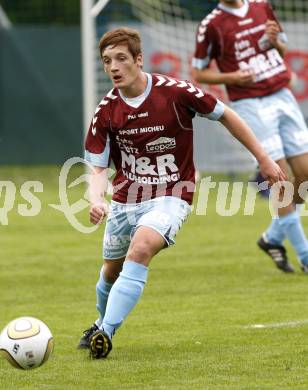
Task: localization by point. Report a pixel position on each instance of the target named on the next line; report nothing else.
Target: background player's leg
(271, 240)
(291, 226)
(260, 116)
(299, 166)
(275, 234)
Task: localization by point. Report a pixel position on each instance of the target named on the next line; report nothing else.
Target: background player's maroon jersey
(152, 145)
(239, 42)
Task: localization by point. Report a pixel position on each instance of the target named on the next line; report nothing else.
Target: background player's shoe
(84, 342)
(100, 345)
(277, 253)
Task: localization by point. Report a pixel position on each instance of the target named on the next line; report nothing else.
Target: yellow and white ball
(26, 342)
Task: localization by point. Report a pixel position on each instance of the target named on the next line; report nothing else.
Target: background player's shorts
(277, 121)
(164, 214)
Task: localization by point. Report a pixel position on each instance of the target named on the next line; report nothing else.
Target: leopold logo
(160, 145)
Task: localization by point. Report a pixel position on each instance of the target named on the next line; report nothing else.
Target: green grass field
(191, 328)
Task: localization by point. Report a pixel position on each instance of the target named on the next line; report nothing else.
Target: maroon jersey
(239, 42)
(152, 145)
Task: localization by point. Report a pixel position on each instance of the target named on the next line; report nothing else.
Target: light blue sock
(102, 292)
(124, 295)
(292, 227)
(275, 233)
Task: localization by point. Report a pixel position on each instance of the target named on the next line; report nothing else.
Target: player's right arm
(97, 190)
(97, 153)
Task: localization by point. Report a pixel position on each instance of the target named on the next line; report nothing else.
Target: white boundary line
(277, 325)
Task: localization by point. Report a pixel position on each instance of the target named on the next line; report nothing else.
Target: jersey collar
(240, 12)
(137, 101)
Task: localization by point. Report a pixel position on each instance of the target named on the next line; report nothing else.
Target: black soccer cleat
(100, 345)
(84, 342)
(277, 253)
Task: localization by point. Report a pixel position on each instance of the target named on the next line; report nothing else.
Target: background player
(248, 44)
(144, 125)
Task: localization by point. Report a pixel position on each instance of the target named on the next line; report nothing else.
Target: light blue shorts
(164, 214)
(277, 122)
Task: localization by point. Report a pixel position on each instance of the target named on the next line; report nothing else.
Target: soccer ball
(26, 342)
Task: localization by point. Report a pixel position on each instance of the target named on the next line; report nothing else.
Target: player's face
(121, 67)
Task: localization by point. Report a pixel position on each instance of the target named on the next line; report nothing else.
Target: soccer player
(144, 124)
(248, 44)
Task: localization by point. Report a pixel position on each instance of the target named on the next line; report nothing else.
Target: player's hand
(242, 77)
(272, 30)
(271, 171)
(98, 212)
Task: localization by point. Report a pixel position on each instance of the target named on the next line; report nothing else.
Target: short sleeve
(97, 144)
(207, 45)
(200, 102)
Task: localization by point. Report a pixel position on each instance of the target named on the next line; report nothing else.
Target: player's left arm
(240, 130)
(274, 31)
(206, 105)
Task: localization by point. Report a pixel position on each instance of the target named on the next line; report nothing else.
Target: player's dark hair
(121, 36)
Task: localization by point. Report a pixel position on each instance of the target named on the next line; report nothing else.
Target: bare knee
(140, 252)
(112, 269)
